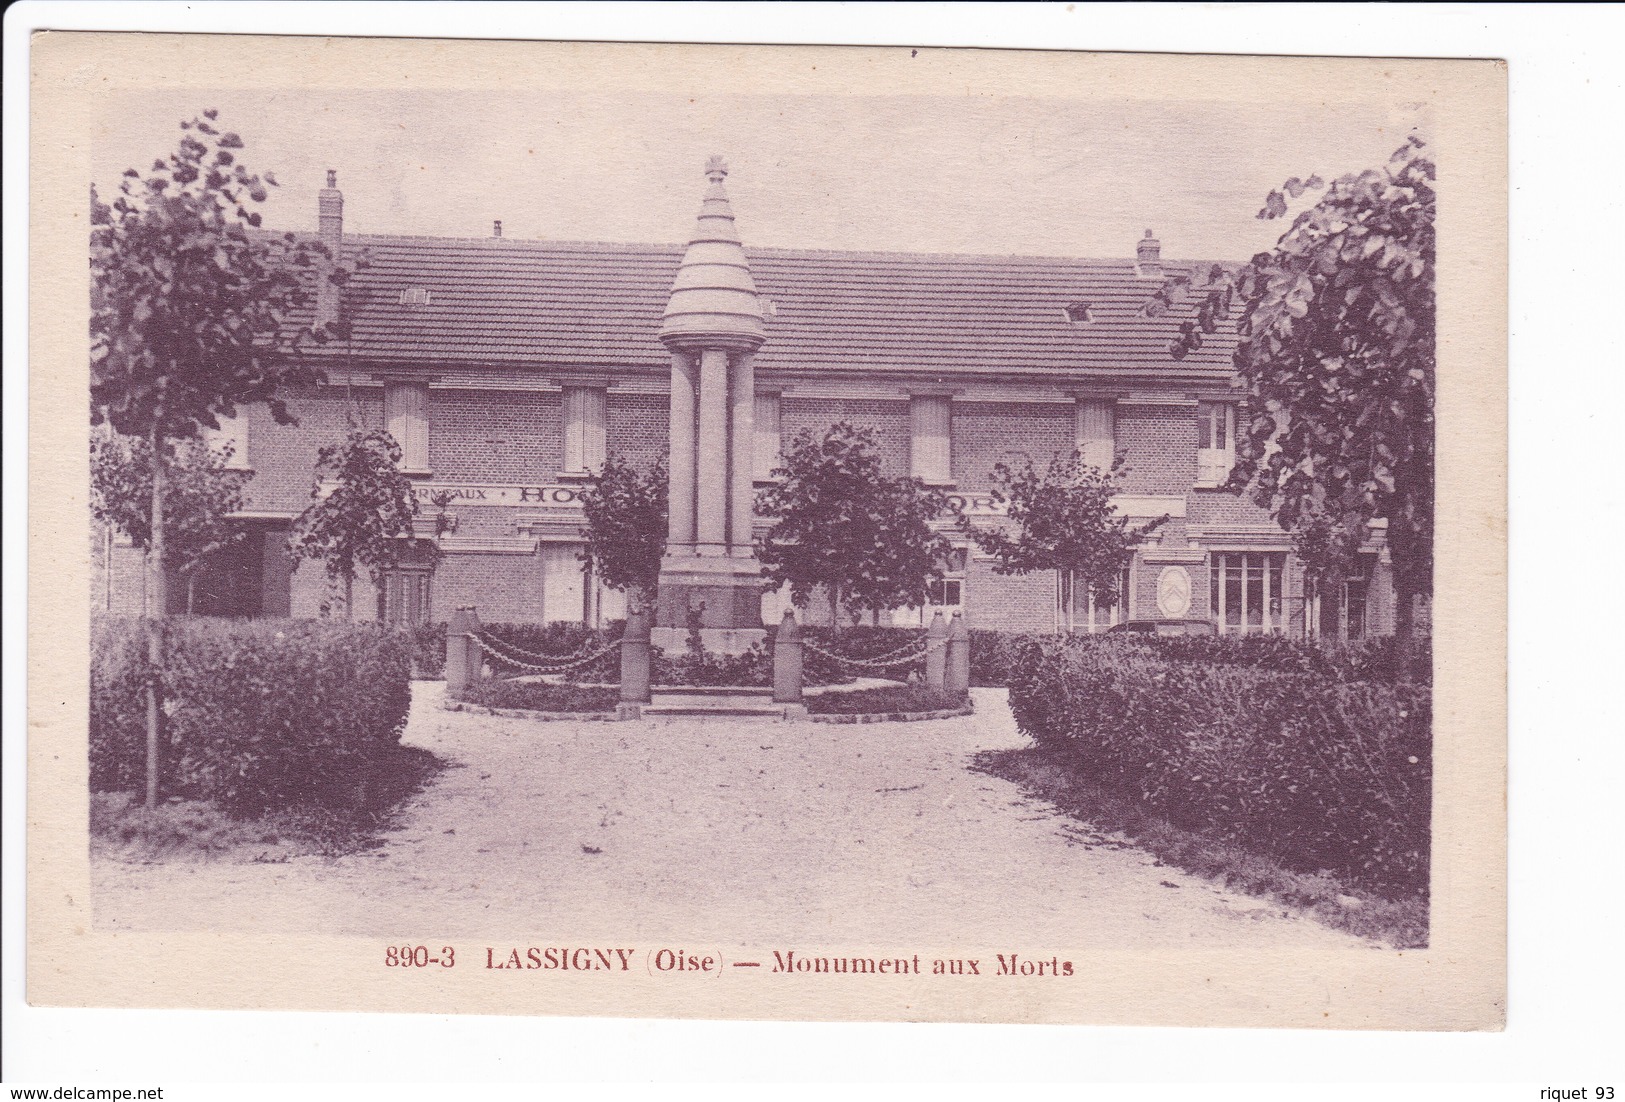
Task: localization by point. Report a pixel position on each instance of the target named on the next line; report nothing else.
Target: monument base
(722, 592)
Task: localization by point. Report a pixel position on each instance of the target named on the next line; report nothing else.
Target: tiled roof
(555, 305)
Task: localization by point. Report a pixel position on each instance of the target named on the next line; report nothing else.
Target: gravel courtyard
(803, 832)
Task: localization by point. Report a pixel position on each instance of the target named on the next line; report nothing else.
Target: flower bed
(541, 696)
(887, 700)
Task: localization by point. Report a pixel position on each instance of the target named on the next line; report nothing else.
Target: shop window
(1097, 432)
(1215, 442)
(930, 448)
(1246, 591)
(1079, 610)
(403, 597)
(406, 415)
(585, 421)
(1338, 610)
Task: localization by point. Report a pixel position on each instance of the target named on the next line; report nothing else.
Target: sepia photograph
(641, 535)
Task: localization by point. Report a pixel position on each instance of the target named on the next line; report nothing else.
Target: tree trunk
(155, 622)
(349, 591)
(191, 593)
(835, 609)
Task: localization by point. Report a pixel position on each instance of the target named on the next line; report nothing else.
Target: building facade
(508, 370)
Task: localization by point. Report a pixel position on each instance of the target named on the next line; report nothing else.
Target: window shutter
(406, 413)
(585, 428)
(1097, 431)
(233, 433)
(766, 422)
(930, 453)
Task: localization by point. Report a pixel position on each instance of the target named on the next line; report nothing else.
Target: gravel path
(798, 832)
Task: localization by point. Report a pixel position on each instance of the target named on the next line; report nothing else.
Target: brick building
(508, 370)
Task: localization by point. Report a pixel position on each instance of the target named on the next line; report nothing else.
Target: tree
(1337, 357)
(842, 524)
(188, 319)
(1064, 521)
(626, 526)
(361, 515)
(202, 492)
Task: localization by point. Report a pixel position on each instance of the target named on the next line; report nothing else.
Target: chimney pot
(332, 177)
(1149, 255)
(496, 227)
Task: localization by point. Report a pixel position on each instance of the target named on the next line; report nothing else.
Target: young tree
(841, 523)
(188, 318)
(626, 526)
(202, 492)
(1337, 356)
(364, 520)
(1064, 521)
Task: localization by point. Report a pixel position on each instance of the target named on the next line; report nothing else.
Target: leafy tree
(1064, 521)
(188, 316)
(1336, 353)
(364, 520)
(626, 526)
(202, 492)
(841, 523)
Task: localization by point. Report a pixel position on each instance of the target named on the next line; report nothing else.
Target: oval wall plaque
(1174, 592)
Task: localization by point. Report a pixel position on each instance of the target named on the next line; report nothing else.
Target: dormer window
(415, 296)
(1078, 314)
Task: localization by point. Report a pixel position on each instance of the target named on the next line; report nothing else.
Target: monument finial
(716, 169)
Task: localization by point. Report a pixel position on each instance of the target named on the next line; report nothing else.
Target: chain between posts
(557, 667)
(898, 657)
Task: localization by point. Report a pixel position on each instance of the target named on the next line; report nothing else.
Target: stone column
(742, 454)
(680, 470)
(711, 461)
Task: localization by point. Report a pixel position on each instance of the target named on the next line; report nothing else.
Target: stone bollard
(635, 657)
(787, 661)
(956, 677)
(936, 651)
(462, 651)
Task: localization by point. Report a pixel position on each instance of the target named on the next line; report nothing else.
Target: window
(1338, 611)
(403, 597)
(1097, 431)
(406, 415)
(1079, 610)
(930, 454)
(944, 593)
(1246, 591)
(233, 434)
(1215, 442)
(585, 418)
(765, 420)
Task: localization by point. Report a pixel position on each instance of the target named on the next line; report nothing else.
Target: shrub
(993, 656)
(554, 643)
(257, 714)
(1318, 772)
(888, 699)
(542, 696)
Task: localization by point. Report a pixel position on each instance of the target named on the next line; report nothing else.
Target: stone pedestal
(726, 590)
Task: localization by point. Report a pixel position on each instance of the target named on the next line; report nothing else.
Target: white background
(1567, 401)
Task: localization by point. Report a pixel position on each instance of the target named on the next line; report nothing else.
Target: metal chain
(496, 653)
(886, 661)
(538, 656)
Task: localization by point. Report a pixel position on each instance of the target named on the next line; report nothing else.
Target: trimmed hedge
(258, 714)
(889, 699)
(1319, 773)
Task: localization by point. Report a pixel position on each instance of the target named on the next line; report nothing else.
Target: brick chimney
(330, 229)
(1149, 255)
(496, 227)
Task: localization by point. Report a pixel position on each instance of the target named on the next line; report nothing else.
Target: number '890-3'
(418, 956)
